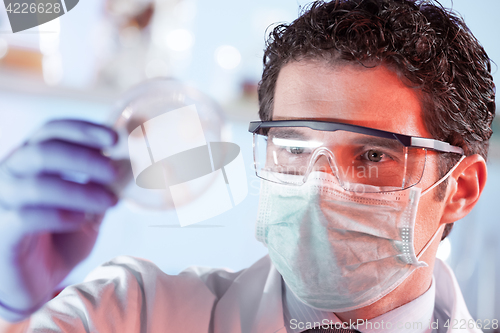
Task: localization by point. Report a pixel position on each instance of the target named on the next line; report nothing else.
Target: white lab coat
(133, 295)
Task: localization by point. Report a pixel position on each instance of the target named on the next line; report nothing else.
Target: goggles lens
(355, 159)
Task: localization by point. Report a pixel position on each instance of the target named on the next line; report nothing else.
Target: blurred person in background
(126, 37)
(399, 76)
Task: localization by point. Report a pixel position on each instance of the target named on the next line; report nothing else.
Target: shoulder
(450, 309)
(126, 272)
(127, 292)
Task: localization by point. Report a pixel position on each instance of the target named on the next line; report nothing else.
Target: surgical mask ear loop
(441, 226)
(426, 246)
(444, 177)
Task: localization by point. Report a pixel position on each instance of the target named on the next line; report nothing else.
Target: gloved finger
(84, 237)
(52, 191)
(59, 157)
(77, 131)
(47, 219)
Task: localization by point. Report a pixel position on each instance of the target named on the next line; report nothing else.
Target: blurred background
(79, 65)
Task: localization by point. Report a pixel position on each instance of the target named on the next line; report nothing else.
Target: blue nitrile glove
(48, 224)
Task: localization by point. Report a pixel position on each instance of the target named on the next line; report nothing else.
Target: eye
(374, 155)
(295, 150)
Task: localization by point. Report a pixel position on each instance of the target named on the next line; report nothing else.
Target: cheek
(430, 210)
(427, 221)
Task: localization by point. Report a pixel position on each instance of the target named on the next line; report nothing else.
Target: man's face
(356, 95)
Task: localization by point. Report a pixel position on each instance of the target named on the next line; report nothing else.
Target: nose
(322, 160)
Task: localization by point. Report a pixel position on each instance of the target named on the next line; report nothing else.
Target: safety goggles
(356, 155)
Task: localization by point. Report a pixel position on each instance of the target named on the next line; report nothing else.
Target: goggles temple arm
(444, 177)
(437, 145)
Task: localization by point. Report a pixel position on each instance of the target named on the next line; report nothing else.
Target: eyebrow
(380, 142)
(296, 143)
(293, 133)
(288, 133)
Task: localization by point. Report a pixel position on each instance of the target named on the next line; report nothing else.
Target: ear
(465, 187)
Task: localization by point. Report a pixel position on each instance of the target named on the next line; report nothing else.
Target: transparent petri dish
(178, 124)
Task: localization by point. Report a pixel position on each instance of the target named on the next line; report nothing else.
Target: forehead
(371, 97)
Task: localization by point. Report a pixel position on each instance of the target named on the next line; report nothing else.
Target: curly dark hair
(427, 45)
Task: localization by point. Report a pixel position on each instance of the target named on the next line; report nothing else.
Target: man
(375, 116)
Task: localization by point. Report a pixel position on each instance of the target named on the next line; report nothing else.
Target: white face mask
(337, 250)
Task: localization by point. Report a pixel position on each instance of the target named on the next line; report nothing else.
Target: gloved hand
(48, 224)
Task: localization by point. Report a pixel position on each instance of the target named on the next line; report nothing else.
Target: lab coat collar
(449, 298)
(253, 303)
